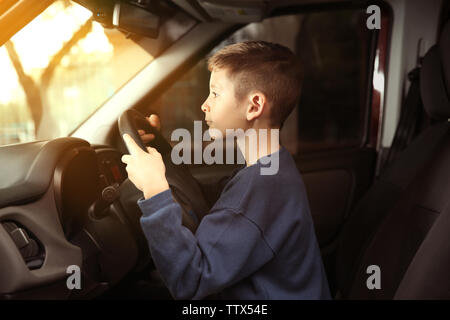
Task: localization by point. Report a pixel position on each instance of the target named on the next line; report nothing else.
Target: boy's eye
(214, 94)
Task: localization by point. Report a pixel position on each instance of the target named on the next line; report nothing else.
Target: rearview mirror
(132, 17)
(135, 19)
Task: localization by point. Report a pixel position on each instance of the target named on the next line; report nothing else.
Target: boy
(258, 240)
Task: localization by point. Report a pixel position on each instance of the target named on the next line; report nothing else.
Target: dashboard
(112, 169)
(62, 203)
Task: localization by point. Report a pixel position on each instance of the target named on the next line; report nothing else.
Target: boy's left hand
(146, 170)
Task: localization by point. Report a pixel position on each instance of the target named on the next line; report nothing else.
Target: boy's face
(222, 109)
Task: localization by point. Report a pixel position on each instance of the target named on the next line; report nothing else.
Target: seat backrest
(390, 223)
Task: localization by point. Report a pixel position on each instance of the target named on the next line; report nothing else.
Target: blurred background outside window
(62, 66)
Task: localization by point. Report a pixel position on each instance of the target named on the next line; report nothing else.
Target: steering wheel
(185, 188)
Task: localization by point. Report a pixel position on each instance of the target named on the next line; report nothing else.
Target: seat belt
(409, 124)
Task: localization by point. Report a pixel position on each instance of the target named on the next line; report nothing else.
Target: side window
(334, 47)
(334, 50)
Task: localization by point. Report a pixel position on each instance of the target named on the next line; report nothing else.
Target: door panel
(335, 181)
(329, 193)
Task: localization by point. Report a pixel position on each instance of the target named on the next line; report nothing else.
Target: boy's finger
(151, 150)
(154, 121)
(125, 158)
(141, 132)
(131, 144)
(147, 137)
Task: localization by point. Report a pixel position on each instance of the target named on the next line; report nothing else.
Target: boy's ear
(257, 104)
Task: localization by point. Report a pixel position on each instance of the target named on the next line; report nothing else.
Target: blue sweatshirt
(257, 242)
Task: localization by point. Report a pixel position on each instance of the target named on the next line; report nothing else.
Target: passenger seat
(402, 224)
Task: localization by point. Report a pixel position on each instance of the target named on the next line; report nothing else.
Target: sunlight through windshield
(59, 69)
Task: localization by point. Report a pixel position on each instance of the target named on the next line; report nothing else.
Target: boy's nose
(205, 106)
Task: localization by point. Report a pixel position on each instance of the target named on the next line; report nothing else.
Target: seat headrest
(435, 78)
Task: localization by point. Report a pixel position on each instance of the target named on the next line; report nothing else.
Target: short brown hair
(269, 67)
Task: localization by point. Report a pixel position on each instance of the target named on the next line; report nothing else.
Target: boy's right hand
(154, 121)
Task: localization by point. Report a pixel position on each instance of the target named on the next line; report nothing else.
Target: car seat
(402, 224)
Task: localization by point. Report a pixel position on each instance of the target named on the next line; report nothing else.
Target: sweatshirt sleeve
(227, 247)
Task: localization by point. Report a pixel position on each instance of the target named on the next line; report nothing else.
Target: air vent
(30, 248)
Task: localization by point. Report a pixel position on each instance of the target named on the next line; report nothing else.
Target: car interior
(370, 136)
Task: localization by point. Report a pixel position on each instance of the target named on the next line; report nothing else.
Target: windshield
(62, 66)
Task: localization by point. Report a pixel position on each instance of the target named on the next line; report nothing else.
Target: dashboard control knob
(99, 209)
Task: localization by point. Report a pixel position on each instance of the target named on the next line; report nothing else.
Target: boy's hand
(146, 170)
(154, 121)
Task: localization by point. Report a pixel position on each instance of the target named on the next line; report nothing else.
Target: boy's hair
(269, 67)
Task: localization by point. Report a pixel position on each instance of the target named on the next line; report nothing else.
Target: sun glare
(40, 40)
(8, 78)
(47, 91)
(96, 41)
